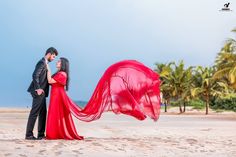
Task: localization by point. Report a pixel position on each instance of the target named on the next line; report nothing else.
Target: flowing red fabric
(127, 87)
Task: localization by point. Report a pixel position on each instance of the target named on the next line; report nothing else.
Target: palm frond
(234, 30)
(221, 73)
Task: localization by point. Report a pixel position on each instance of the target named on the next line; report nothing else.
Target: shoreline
(222, 116)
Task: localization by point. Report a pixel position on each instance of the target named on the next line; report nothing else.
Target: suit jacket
(39, 78)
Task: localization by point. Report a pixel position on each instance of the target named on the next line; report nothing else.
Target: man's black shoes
(41, 138)
(30, 138)
(34, 138)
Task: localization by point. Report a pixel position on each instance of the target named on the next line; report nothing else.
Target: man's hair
(51, 50)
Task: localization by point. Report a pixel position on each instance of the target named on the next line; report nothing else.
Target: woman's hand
(49, 76)
(48, 68)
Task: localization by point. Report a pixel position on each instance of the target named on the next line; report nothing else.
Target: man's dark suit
(39, 101)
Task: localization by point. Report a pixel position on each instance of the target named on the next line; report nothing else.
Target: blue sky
(97, 33)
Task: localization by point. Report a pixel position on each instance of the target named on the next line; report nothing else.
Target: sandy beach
(119, 135)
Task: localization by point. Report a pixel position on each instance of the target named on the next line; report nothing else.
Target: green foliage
(224, 104)
(197, 104)
(225, 63)
(209, 86)
(175, 103)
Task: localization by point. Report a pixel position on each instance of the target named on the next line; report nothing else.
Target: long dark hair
(65, 68)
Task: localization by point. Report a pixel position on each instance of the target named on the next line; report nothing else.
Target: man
(39, 89)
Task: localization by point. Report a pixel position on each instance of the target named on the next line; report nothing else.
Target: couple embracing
(126, 87)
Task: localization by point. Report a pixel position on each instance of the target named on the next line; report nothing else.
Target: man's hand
(39, 91)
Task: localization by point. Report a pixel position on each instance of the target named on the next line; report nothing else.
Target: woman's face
(58, 65)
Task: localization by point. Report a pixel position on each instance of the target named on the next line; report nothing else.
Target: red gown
(60, 124)
(127, 87)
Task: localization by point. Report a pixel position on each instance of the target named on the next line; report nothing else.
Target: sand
(173, 134)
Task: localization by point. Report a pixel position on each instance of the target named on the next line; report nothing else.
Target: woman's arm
(49, 76)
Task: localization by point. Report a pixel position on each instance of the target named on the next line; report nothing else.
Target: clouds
(95, 34)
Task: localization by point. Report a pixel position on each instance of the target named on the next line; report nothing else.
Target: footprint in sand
(41, 152)
(182, 147)
(96, 144)
(130, 139)
(88, 140)
(58, 145)
(58, 153)
(113, 149)
(208, 129)
(8, 154)
(19, 142)
(77, 152)
(106, 148)
(191, 141)
(121, 149)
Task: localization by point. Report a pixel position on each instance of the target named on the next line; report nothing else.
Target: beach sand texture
(186, 135)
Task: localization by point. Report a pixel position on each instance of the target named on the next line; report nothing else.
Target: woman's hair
(65, 68)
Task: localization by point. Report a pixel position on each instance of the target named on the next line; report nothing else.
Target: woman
(126, 87)
(59, 122)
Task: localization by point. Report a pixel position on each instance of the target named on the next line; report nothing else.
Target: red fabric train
(126, 87)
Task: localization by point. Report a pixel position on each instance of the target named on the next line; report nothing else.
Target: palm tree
(175, 82)
(164, 70)
(188, 85)
(205, 85)
(225, 63)
(181, 82)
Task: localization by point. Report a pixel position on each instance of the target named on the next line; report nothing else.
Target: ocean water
(81, 103)
(27, 104)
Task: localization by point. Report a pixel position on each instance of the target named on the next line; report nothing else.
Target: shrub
(224, 103)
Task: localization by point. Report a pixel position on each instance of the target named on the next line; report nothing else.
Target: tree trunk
(207, 104)
(165, 106)
(180, 108)
(167, 102)
(184, 106)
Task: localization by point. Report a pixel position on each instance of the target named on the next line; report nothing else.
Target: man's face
(51, 57)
